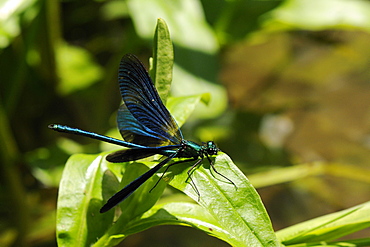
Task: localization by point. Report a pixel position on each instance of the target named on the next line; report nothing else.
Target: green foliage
(77, 69)
(324, 230)
(303, 61)
(162, 56)
(234, 214)
(313, 15)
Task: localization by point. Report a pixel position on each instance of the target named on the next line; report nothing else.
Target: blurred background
(290, 99)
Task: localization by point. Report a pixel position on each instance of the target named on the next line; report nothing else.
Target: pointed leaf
(328, 227)
(179, 213)
(79, 222)
(161, 72)
(237, 209)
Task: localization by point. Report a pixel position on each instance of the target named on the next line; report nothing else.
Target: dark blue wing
(143, 119)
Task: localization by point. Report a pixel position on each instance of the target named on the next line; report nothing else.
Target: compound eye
(211, 144)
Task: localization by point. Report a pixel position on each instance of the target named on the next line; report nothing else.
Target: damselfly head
(211, 148)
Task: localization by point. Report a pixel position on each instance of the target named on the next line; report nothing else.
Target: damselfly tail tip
(57, 127)
(52, 126)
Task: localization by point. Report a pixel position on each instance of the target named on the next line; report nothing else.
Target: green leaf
(76, 68)
(328, 227)
(85, 186)
(161, 72)
(189, 27)
(234, 214)
(182, 107)
(179, 213)
(188, 83)
(80, 198)
(319, 15)
(12, 15)
(237, 209)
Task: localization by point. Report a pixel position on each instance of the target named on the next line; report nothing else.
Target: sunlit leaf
(76, 68)
(161, 72)
(237, 208)
(182, 107)
(315, 15)
(179, 213)
(10, 18)
(185, 19)
(328, 227)
(80, 198)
